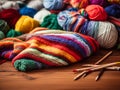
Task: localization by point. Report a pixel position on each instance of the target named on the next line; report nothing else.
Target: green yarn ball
(2, 35)
(4, 26)
(25, 65)
(13, 33)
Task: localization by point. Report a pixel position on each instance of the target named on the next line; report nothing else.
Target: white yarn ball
(10, 4)
(107, 35)
(40, 15)
(35, 4)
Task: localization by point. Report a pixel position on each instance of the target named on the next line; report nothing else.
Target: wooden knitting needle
(96, 68)
(99, 61)
(107, 68)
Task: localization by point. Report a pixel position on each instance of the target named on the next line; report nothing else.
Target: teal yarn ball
(13, 33)
(27, 65)
(2, 35)
(4, 26)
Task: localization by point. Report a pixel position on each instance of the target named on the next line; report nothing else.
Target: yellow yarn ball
(26, 24)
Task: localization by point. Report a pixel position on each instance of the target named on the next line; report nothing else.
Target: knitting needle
(100, 74)
(99, 61)
(96, 68)
(107, 68)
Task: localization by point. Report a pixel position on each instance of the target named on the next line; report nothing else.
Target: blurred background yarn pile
(99, 19)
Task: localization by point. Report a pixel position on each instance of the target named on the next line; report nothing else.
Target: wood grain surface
(61, 78)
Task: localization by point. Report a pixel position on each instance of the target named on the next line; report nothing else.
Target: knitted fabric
(113, 10)
(13, 33)
(96, 12)
(79, 3)
(50, 21)
(25, 24)
(50, 48)
(4, 26)
(10, 16)
(28, 11)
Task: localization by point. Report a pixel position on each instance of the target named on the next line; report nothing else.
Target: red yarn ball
(10, 16)
(96, 12)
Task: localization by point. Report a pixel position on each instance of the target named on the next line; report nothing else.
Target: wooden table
(61, 78)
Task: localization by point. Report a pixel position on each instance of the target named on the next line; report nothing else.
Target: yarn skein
(53, 4)
(104, 32)
(41, 14)
(96, 13)
(10, 16)
(25, 24)
(113, 10)
(35, 4)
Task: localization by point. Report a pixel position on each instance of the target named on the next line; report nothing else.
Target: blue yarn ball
(113, 10)
(53, 4)
(28, 11)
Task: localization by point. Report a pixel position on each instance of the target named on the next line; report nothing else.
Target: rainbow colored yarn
(50, 48)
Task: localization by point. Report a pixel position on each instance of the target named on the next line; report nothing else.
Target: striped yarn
(54, 48)
(70, 20)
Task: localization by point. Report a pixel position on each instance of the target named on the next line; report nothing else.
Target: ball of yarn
(40, 15)
(35, 4)
(70, 20)
(104, 32)
(96, 12)
(11, 5)
(28, 11)
(50, 21)
(56, 48)
(11, 16)
(4, 26)
(53, 4)
(79, 3)
(2, 35)
(25, 24)
(113, 10)
(13, 33)
(102, 3)
(27, 65)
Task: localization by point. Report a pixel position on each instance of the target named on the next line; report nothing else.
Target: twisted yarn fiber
(54, 48)
(104, 32)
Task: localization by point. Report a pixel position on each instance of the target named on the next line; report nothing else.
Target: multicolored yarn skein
(53, 48)
(104, 32)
